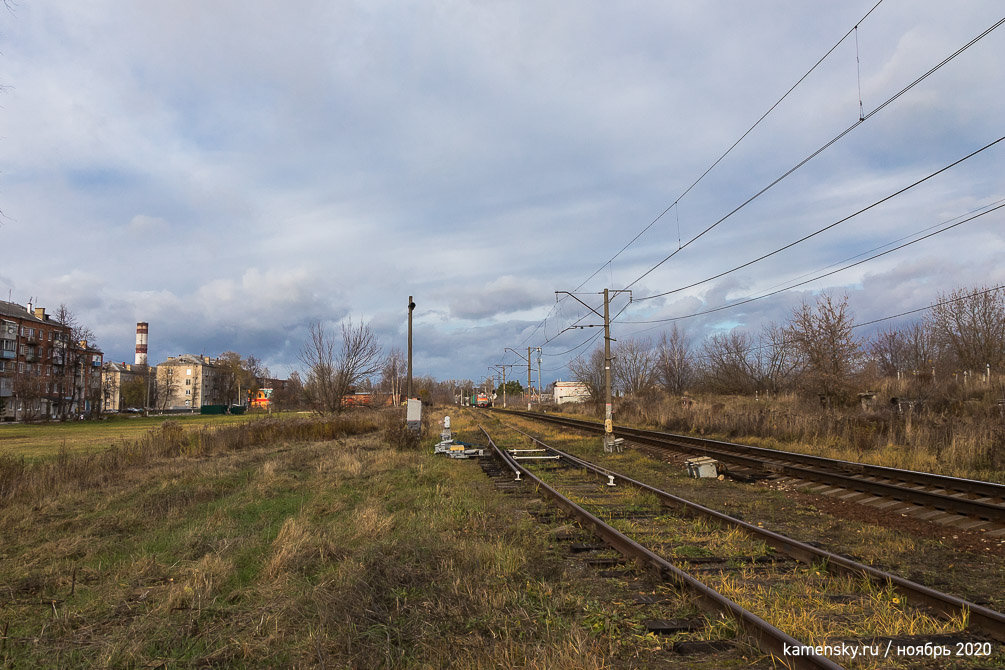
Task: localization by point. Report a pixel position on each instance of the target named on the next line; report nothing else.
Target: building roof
(188, 359)
(16, 311)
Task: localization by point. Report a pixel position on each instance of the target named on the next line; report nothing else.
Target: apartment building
(42, 374)
(189, 382)
(115, 375)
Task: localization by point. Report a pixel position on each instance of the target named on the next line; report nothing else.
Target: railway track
(964, 503)
(734, 568)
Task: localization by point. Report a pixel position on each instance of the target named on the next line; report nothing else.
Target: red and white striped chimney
(142, 328)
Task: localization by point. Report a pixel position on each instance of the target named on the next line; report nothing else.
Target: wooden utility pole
(411, 306)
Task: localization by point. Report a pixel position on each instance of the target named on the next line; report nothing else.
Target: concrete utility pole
(411, 306)
(608, 408)
(530, 394)
(609, 442)
(538, 350)
(503, 366)
(521, 356)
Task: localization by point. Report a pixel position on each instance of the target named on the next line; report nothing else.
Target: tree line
(816, 352)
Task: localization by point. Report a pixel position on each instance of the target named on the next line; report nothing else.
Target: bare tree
(727, 366)
(239, 377)
(674, 368)
(969, 325)
(775, 359)
(165, 387)
(71, 383)
(823, 336)
(29, 390)
(336, 365)
(634, 365)
(392, 375)
(590, 371)
(910, 349)
(289, 396)
(133, 392)
(889, 352)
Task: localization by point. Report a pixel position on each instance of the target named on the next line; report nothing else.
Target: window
(189, 371)
(188, 391)
(188, 382)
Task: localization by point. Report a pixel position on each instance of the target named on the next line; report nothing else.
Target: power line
(893, 242)
(715, 163)
(937, 304)
(823, 148)
(821, 276)
(578, 346)
(827, 227)
(732, 146)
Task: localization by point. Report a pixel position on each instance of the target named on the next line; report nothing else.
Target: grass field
(247, 551)
(302, 543)
(34, 441)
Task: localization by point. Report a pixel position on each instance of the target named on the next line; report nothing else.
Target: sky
(231, 172)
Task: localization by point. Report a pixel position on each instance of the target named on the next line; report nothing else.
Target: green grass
(42, 440)
(333, 553)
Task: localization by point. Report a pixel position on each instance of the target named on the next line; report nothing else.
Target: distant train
(480, 400)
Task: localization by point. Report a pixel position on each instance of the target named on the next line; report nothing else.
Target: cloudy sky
(232, 171)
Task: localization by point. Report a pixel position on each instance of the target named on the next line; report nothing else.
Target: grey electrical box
(413, 415)
(702, 467)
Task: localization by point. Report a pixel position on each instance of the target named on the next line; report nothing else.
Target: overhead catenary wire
(819, 231)
(749, 300)
(820, 150)
(892, 242)
(712, 166)
(724, 154)
(932, 306)
(695, 354)
(862, 119)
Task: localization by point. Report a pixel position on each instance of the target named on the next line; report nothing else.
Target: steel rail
(767, 637)
(985, 619)
(775, 461)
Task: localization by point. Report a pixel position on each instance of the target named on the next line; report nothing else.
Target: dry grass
(300, 546)
(964, 439)
(44, 440)
(20, 478)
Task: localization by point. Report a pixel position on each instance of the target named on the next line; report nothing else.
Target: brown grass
(962, 439)
(20, 478)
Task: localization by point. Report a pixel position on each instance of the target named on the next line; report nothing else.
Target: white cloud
(230, 174)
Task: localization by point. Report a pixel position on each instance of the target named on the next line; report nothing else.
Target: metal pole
(529, 388)
(411, 306)
(608, 413)
(539, 382)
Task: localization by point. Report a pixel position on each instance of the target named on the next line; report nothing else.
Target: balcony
(8, 354)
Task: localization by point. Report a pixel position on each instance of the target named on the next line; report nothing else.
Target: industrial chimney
(142, 328)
